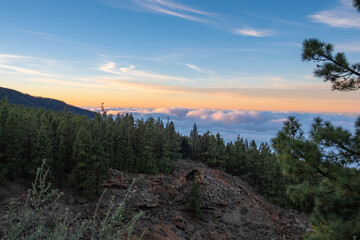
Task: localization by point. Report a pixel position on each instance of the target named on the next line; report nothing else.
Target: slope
(16, 97)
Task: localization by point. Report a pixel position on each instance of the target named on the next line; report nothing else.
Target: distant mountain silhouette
(16, 97)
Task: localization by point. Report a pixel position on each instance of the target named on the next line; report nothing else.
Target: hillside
(230, 209)
(16, 97)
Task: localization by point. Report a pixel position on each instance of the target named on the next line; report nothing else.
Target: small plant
(195, 199)
(34, 221)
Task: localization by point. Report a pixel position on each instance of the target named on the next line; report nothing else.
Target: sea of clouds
(260, 126)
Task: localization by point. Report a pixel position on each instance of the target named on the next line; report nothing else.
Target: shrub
(195, 199)
(35, 220)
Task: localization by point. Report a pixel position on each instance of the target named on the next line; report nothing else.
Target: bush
(38, 218)
(195, 199)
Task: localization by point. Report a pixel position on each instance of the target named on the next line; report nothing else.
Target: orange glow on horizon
(211, 102)
(324, 102)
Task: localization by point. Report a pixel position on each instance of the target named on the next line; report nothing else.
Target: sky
(206, 55)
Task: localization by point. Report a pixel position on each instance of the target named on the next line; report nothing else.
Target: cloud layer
(253, 125)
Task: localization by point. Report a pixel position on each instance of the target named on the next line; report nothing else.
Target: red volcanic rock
(230, 210)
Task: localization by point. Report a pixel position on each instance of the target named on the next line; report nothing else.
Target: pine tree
(12, 145)
(29, 134)
(4, 114)
(324, 168)
(334, 68)
(194, 135)
(42, 149)
(205, 144)
(149, 146)
(185, 147)
(99, 164)
(174, 141)
(83, 174)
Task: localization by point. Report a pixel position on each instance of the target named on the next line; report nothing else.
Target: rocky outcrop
(230, 210)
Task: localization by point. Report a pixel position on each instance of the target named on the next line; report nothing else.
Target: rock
(179, 199)
(233, 217)
(196, 236)
(220, 202)
(161, 232)
(217, 214)
(189, 228)
(214, 235)
(310, 230)
(179, 222)
(163, 199)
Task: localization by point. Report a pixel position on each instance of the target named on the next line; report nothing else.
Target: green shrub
(195, 199)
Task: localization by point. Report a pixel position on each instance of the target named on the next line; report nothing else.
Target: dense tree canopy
(80, 150)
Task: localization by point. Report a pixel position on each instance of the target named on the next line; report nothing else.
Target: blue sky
(151, 54)
(155, 53)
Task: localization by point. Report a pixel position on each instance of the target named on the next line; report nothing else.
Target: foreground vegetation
(40, 218)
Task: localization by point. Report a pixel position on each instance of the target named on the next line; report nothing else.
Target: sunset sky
(212, 54)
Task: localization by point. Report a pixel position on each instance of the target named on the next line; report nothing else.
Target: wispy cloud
(253, 32)
(308, 77)
(9, 57)
(160, 59)
(11, 62)
(199, 69)
(277, 20)
(344, 15)
(110, 67)
(167, 7)
(175, 9)
(53, 37)
(23, 70)
(280, 80)
(349, 47)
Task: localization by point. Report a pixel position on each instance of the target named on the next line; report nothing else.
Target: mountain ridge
(17, 97)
